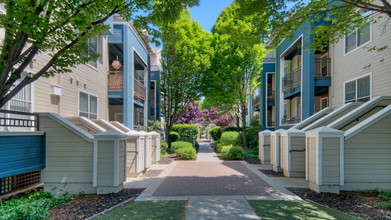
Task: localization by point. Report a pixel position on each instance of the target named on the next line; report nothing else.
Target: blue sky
(208, 11)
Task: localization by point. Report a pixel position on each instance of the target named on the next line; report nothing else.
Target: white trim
(142, 60)
(341, 161)
(89, 94)
(320, 103)
(362, 45)
(17, 133)
(319, 168)
(288, 154)
(356, 79)
(97, 51)
(146, 152)
(294, 42)
(306, 157)
(116, 162)
(95, 165)
(138, 155)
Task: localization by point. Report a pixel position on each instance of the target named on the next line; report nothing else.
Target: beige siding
(367, 156)
(312, 159)
(284, 152)
(105, 163)
(273, 149)
(69, 158)
(142, 154)
(131, 157)
(121, 161)
(330, 161)
(298, 158)
(350, 66)
(82, 78)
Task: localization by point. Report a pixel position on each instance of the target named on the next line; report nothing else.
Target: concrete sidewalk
(206, 153)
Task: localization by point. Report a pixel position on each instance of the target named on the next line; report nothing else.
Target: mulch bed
(271, 173)
(90, 204)
(152, 173)
(358, 204)
(252, 160)
(165, 160)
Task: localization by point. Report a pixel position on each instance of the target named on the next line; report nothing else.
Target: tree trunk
(244, 128)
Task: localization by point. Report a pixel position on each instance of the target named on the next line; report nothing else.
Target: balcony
(156, 68)
(291, 80)
(291, 120)
(271, 95)
(269, 60)
(116, 82)
(322, 67)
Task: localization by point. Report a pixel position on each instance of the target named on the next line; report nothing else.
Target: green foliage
(153, 126)
(189, 140)
(252, 137)
(188, 153)
(187, 131)
(231, 152)
(32, 206)
(255, 122)
(180, 144)
(231, 128)
(217, 146)
(230, 138)
(174, 136)
(252, 153)
(385, 197)
(215, 133)
(163, 147)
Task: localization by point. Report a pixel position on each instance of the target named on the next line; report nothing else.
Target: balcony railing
(270, 122)
(271, 94)
(269, 60)
(116, 82)
(292, 80)
(322, 67)
(291, 120)
(256, 100)
(156, 68)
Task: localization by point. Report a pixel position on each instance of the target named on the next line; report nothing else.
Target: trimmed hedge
(189, 140)
(188, 153)
(230, 128)
(230, 138)
(180, 144)
(231, 152)
(215, 133)
(174, 136)
(188, 131)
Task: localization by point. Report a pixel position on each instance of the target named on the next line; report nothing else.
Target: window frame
(357, 36)
(88, 53)
(88, 104)
(356, 91)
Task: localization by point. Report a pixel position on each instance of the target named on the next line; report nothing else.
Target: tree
(236, 63)
(185, 56)
(343, 16)
(193, 115)
(61, 29)
(219, 118)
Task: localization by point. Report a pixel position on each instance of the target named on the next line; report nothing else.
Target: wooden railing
(116, 80)
(139, 90)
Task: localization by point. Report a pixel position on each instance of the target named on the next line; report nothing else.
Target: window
(88, 105)
(92, 50)
(358, 37)
(324, 103)
(358, 90)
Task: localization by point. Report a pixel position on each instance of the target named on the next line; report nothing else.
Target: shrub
(230, 138)
(230, 128)
(232, 152)
(174, 136)
(180, 144)
(252, 153)
(163, 147)
(217, 146)
(189, 140)
(215, 133)
(32, 206)
(187, 153)
(188, 131)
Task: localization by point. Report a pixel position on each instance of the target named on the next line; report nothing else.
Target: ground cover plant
(294, 210)
(32, 206)
(215, 133)
(385, 198)
(148, 210)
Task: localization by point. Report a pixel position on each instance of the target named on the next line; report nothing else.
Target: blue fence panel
(21, 153)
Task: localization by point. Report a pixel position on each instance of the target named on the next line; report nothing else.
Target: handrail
(19, 122)
(358, 118)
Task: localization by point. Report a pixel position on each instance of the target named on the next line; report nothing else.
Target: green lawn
(148, 210)
(294, 210)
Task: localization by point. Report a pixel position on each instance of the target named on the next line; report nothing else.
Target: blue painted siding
(117, 36)
(109, 22)
(155, 75)
(267, 68)
(21, 154)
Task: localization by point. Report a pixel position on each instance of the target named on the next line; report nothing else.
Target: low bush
(231, 152)
(217, 146)
(252, 153)
(188, 153)
(32, 206)
(230, 138)
(174, 136)
(189, 140)
(180, 144)
(188, 131)
(385, 197)
(163, 147)
(215, 133)
(231, 128)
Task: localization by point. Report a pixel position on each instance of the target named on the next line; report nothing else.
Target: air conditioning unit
(56, 90)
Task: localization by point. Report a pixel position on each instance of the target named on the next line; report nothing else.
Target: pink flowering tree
(219, 119)
(193, 115)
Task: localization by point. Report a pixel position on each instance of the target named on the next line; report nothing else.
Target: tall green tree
(236, 63)
(185, 57)
(343, 16)
(61, 28)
